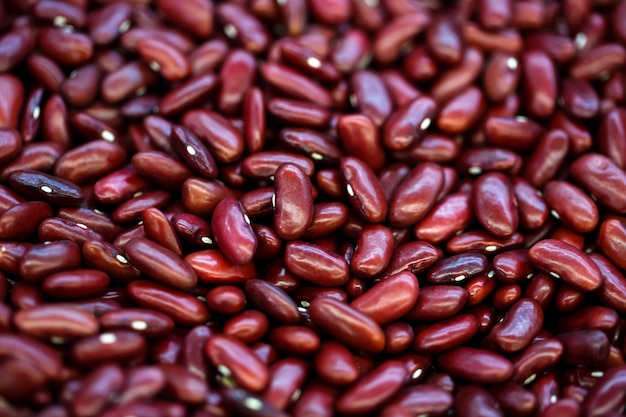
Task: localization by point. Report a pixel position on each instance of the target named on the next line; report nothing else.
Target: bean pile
(312, 208)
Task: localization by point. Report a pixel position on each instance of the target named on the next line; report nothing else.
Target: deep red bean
(212, 267)
(476, 365)
(373, 389)
(389, 299)
(371, 97)
(606, 396)
(98, 388)
(235, 360)
(584, 347)
(563, 261)
(315, 264)
(76, 283)
(147, 322)
(232, 231)
(183, 308)
(56, 321)
(334, 364)
(519, 327)
(347, 324)
(421, 399)
(570, 205)
(373, 252)
(293, 212)
(294, 340)
(117, 346)
(248, 326)
(450, 215)
(272, 300)
(473, 400)
(494, 204)
(446, 334)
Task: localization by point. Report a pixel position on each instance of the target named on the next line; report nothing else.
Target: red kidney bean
(450, 215)
(389, 299)
(547, 157)
(248, 326)
(56, 321)
(416, 195)
(22, 221)
(472, 400)
(77, 283)
(212, 267)
(514, 399)
(405, 126)
(293, 212)
(606, 396)
(232, 231)
(533, 210)
(183, 385)
(373, 389)
(51, 189)
(457, 268)
(513, 266)
(235, 360)
(108, 258)
(601, 177)
(539, 79)
(566, 262)
(611, 240)
(26, 349)
(183, 308)
(570, 205)
(421, 399)
(226, 300)
(117, 346)
(160, 263)
(370, 96)
(495, 205)
(396, 33)
(438, 302)
(67, 48)
(590, 317)
(519, 327)
(584, 347)
(457, 78)
(363, 190)
(613, 288)
(273, 301)
(482, 242)
(287, 376)
(446, 334)
(294, 340)
(31, 380)
(597, 61)
(315, 264)
(98, 388)
(461, 112)
(347, 324)
(476, 365)
(334, 363)
(147, 322)
(373, 252)
(319, 147)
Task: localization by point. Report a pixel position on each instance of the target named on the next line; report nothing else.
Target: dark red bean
(213, 268)
(421, 399)
(249, 326)
(54, 190)
(232, 231)
(315, 264)
(476, 365)
(293, 212)
(76, 283)
(363, 189)
(334, 364)
(273, 301)
(97, 389)
(519, 327)
(370, 96)
(570, 205)
(373, 389)
(373, 252)
(56, 322)
(584, 347)
(446, 334)
(147, 322)
(183, 308)
(235, 360)
(607, 395)
(495, 205)
(472, 400)
(347, 324)
(389, 299)
(117, 346)
(107, 258)
(563, 261)
(294, 340)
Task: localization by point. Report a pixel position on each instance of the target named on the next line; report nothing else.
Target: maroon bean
(232, 231)
(519, 327)
(334, 364)
(31, 380)
(294, 340)
(400, 30)
(597, 61)
(584, 347)
(606, 396)
(373, 389)
(422, 399)
(56, 322)
(406, 125)
(235, 360)
(213, 268)
(242, 402)
(580, 213)
(22, 221)
(457, 268)
(533, 210)
(438, 302)
(389, 299)
(562, 260)
(287, 376)
(38, 185)
(294, 84)
(371, 97)
(125, 81)
(482, 242)
(116, 346)
(293, 212)
(450, 215)
(67, 48)
(373, 252)
(347, 324)
(248, 326)
(97, 389)
(457, 78)
(446, 334)
(224, 141)
(613, 288)
(243, 27)
(226, 300)
(105, 257)
(472, 400)
(147, 322)
(547, 157)
(315, 264)
(77, 283)
(15, 45)
(514, 399)
(272, 300)
(476, 365)
(495, 205)
(183, 308)
(601, 177)
(364, 191)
